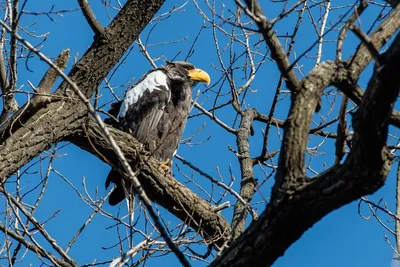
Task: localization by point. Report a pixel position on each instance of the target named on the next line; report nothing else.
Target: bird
(155, 111)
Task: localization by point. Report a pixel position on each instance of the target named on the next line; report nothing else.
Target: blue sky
(342, 238)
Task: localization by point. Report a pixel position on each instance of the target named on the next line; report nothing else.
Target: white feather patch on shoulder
(153, 81)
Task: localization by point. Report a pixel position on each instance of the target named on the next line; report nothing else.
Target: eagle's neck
(183, 96)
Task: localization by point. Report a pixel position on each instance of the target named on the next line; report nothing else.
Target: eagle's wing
(139, 113)
(144, 105)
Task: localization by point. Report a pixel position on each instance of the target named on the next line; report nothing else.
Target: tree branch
(91, 17)
(359, 61)
(39, 227)
(166, 191)
(248, 181)
(41, 97)
(277, 52)
(363, 172)
(38, 250)
(291, 166)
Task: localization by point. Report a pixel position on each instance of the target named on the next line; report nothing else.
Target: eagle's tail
(118, 194)
(123, 189)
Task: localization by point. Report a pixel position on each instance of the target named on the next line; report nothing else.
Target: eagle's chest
(165, 139)
(174, 117)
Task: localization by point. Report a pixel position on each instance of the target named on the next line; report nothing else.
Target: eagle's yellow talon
(165, 167)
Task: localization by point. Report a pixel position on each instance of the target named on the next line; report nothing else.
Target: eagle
(155, 112)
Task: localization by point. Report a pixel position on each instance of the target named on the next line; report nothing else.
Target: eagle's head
(182, 71)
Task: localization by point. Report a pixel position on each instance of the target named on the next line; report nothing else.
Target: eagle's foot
(165, 166)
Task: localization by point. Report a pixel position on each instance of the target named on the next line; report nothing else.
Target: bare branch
(248, 181)
(342, 35)
(39, 227)
(32, 247)
(91, 17)
(368, 43)
(277, 52)
(48, 80)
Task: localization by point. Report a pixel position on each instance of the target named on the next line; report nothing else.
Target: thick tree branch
(368, 123)
(367, 42)
(342, 132)
(48, 126)
(166, 191)
(3, 71)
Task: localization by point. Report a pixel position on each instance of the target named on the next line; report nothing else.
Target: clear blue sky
(342, 238)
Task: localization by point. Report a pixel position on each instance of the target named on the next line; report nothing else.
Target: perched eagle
(155, 111)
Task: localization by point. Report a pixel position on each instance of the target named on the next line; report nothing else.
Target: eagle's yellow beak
(199, 75)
